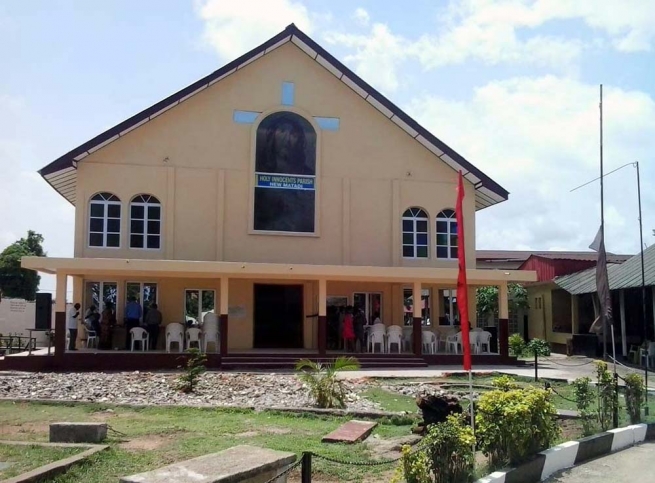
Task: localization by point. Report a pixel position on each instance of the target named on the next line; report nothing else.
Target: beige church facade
(271, 192)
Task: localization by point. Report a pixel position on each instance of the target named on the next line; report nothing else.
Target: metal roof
(621, 276)
(61, 174)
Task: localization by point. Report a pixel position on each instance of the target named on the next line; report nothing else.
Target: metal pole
(602, 213)
(643, 284)
(306, 468)
(536, 366)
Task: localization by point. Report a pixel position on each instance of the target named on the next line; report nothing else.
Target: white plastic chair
(648, 354)
(174, 333)
(484, 340)
(473, 341)
(429, 339)
(376, 336)
(395, 336)
(91, 339)
(140, 335)
(210, 332)
(453, 342)
(193, 337)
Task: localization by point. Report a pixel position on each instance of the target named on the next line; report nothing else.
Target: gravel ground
(214, 389)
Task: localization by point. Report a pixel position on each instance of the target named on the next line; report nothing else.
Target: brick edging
(573, 453)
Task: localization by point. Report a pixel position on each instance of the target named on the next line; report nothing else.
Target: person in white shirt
(71, 325)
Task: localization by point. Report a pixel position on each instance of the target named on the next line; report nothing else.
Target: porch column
(322, 316)
(624, 342)
(575, 319)
(417, 331)
(60, 316)
(224, 307)
(503, 320)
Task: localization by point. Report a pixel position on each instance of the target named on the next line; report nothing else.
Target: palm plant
(324, 387)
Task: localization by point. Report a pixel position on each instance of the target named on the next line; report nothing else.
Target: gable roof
(61, 174)
(621, 276)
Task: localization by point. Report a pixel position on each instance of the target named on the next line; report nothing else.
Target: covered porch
(274, 313)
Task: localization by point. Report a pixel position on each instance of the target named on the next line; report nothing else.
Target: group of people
(103, 323)
(352, 328)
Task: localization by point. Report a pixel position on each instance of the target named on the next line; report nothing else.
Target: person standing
(348, 334)
(153, 321)
(107, 323)
(71, 325)
(133, 313)
(359, 321)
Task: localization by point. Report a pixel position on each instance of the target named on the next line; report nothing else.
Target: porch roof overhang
(212, 269)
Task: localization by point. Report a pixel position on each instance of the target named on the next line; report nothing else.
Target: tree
(487, 299)
(15, 281)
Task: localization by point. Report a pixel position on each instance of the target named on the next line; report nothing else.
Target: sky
(512, 85)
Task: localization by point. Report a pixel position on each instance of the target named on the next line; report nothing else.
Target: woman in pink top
(348, 330)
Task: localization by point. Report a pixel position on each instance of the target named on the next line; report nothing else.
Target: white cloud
(361, 16)
(539, 139)
(234, 27)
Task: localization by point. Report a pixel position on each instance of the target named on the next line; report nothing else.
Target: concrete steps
(288, 361)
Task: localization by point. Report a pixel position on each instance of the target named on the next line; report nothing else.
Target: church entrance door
(278, 316)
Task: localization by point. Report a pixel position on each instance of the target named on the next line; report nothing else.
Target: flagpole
(602, 213)
(471, 403)
(643, 287)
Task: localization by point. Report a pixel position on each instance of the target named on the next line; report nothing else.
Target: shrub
(517, 345)
(324, 387)
(446, 456)
(194, 367)
(538, 347)
(606, 395)
(504, 383)
(635, 392)
(514, 425)
(584, 398)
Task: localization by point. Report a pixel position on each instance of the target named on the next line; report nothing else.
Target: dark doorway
(278, 316)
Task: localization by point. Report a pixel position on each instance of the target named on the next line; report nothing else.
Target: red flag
(462, 286)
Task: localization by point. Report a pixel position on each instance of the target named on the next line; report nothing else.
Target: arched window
(105, 221)
(415, 233)
(145, 222)
(285, 174)
(446, 235)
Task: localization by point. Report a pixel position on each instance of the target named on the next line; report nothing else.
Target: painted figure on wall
(286, 144)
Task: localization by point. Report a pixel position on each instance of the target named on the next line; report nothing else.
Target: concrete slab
(234, 465)
(351, 432)
(78, 432)
(4, 466)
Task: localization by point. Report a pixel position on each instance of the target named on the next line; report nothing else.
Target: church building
(273, 193)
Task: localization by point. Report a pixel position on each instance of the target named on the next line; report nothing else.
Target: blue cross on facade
(288, 95)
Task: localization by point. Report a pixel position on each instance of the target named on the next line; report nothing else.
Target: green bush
(324, 387)
(194, 367)
(517, 345)
(446, 455)
(607, 402)
(584, 398)
(514, 425)
(538, 347)
(635, 393)
(504, 383)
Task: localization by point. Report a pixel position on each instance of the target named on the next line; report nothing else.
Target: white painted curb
(639, 431)
(495, 477)
(559, 457)
(622, 438)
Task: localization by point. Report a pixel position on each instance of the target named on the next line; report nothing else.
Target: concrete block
(639, 431)
(78, 432)
(594, 446)
(559, 457)
(529, 472)
(495, 477)
(240, 464)
(350, 432)
(623, 438)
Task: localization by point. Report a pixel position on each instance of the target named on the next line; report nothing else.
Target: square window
(408, 225)
(96, 225)
(114, 211)
(153, 227)
(408, 238)
(113, 240)
(442, 227)
(422, 239)
(154, 212)
(286, 210)
(136, 211)
(422, 226)
(453, 252)
(136, 226)
(97, 210)
(95, 239)
(153, 241)
(442, 252)
(453, 240)
(113, 225)
(408, 251)
(453, 227)
(422, 252)
(442, 240)
(136, 241)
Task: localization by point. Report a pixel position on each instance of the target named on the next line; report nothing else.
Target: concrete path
(633, 464)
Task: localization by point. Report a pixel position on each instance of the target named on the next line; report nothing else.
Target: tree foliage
(487, 299)
(15, 281)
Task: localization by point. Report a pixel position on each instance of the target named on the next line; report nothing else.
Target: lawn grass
(391, 401)
(154, 437)
(27, 458)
